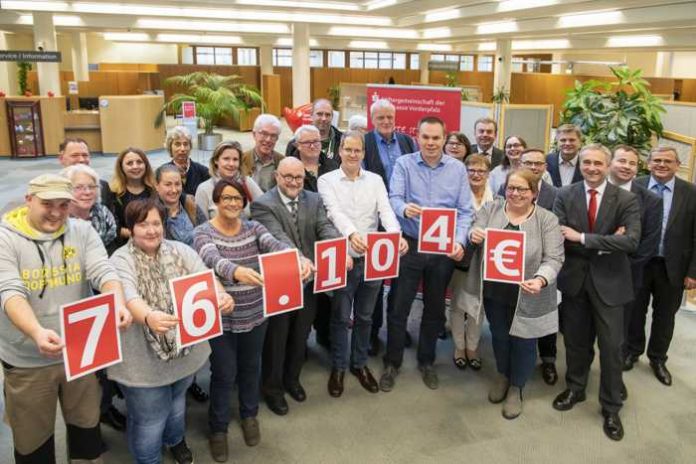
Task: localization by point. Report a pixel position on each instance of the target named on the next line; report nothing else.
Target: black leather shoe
(277, 404)
(548, 373)
(336, 383)
(297, 393)
(624, 393)
(567, 399)
(113, 418)
(375, 345)
(661, 372)
(366, 379)
(613, 428)
(408, 341)
(629, 361)
(198, 393)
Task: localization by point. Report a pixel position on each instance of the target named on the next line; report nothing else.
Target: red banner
(196, 306)
(382, 255)
(436, 230)
(188, 109)
(504, 256)
(330, 258)
(90, 335)
(282, 282)
(415, 102)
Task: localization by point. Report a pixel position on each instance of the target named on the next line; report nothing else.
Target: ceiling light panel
(127, 36)
(601, 18)
(549, 44)
(442, 15)
(270, 28)
(430, 47)
(486, 47)
(635, 41)
(516, 5)
(373, 32)
(309, 5)
(377, 44)
(496, 28)
(287, 42)
(375, 5)
(199, 38)
(436, 33)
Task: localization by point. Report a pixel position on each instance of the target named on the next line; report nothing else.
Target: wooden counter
(129, 121)
(84, 124)
(52, 109)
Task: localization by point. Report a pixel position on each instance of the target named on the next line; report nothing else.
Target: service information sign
(415, 102)
(504, 256)
(30, 55)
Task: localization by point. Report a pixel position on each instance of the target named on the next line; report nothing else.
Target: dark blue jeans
(156, 416)
(235, 359)
(358, 297)
(515, 357)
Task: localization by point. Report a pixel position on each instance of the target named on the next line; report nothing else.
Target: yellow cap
(51, 187)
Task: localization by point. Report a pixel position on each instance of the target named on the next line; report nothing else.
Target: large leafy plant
(216, 96)
(613, 113)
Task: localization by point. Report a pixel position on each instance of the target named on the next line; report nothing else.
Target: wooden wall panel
(484, 80)
(688, 90)
(285, 74)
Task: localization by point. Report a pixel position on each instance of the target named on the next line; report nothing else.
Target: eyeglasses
(85, 188)
(310, 143)
(454, 144)
(476, 172)
(513, 189)
(533, 164)
(290, 178)
(514, 145)
(352, 151)
(229, 199)
(267, 135)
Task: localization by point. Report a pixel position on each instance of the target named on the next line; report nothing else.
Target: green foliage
(23, 69)
(216, 96)
(613, 113)
(335, 96)
(451, 79)
(501, 96)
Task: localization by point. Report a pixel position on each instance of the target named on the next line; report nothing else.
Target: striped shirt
(224, 254)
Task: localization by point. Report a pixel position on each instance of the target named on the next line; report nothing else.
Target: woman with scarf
(155, 372)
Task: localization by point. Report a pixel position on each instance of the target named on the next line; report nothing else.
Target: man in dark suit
(298, 218)
(601, 226)
(673, 269)
(383, 145)
(322, 115)
(486, 131)
(562, 163)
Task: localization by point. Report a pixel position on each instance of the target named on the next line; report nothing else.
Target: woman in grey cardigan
(519, 314)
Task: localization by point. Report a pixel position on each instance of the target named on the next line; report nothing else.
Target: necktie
(592, 209)
(660, 189)
(293, 210)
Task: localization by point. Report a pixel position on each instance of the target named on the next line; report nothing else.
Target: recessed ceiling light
(379, 44)
(373, 32)
(497, 28)
(540, 44)
(635, 41)
(431, 47)
(599, 18)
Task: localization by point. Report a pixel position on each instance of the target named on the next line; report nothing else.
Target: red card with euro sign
(436, 230)
(91, 337)
(504, 256)
(330, 264)
(282, 282)
(196, 305)
(382, 255)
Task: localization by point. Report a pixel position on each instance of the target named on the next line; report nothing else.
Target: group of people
(608, 241)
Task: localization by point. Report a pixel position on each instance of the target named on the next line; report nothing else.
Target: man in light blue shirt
(427, 178)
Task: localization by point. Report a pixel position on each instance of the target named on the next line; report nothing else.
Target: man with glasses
(322, 115)
(262, 161)
(671, 271)
(357, 202)
(297, 217)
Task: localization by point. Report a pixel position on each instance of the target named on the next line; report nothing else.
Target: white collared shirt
(626, 186)
(357, 205)
(599, 196)
(567, 169)
(286, 201)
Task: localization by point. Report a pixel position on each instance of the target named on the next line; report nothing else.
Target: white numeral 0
(437, 233)
(99, 313)
(189, 308)
(330, 255)
(375, 254)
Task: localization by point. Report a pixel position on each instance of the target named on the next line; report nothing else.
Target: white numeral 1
(330, 254)
(375, 254)
(99, 313)
(437, 233)
(189, 308)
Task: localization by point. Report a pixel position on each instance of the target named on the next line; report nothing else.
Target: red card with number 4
(330, 263)
(282, 282)
(196, 305)
(90, 335)
(382, 256)
(436, 230)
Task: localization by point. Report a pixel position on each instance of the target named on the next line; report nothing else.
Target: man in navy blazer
(486, 132)
(672, 270)
(563, 163)
(383, 145)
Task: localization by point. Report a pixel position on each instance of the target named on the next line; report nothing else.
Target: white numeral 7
(99, 313)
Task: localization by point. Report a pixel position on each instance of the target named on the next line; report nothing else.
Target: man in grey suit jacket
(671, 270)
(601, 226)
(297, 217)
(486, 132)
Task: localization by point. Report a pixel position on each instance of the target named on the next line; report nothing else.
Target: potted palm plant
(216, 97)
(613, 113)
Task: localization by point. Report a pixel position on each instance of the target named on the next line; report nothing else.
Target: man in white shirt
(562, 164)
(356, 201)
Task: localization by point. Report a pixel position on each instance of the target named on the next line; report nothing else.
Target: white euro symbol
(499, 255)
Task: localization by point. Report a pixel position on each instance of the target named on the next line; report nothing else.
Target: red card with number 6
(90, 335)
(196, 305)
(282, 282)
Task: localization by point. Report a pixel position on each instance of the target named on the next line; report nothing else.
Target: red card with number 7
(330, 263)
(282, 282)
(90, 335)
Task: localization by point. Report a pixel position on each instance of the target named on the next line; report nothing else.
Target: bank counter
(35, 126)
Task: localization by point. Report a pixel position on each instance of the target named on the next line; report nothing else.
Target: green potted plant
(501, 96)
(613, 113)
(216, 97)
(23, 69)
